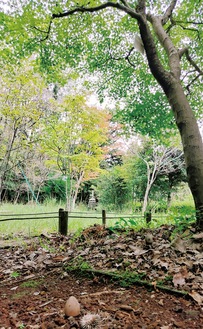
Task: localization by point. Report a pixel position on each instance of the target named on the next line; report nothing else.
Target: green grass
(26, 227)
(34, 227)
(31, 284)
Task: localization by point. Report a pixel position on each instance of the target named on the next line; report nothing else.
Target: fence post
(63, 221)
(148, 216)
(104, 218)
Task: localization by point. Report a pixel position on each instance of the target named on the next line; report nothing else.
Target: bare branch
(182, 52)
(180, 23)
(45, 32)
(127, 57)
(193, 80)
(190, 29)
(187, 74)
(191, 61)
(189, 22)
(185, 52)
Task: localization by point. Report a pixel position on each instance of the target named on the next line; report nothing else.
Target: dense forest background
(60, 143)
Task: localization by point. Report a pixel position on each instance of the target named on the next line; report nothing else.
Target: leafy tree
(72, 138)
(161, 162)
(23, 104)
(33, 173)
(54, 188)
(169, 35)
(112, 189)
(173, 174)
(153, 165)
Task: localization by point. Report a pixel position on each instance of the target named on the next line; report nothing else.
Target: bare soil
(36, 283)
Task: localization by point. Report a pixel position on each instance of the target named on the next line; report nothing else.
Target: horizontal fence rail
(63, 217)
(10, 217)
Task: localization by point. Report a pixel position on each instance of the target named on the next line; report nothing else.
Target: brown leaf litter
(36, 280)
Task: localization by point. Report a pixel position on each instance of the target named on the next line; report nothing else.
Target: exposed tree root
(131, 279)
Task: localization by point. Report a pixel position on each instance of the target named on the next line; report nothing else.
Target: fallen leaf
(14, 288)
(179, 244)
(197, 297)
(161, 302)
(198, 236)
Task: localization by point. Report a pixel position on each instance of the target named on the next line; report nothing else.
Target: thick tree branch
(141, 7)
(108, 4)
(174, 62)
(124, 2)
(168, 12)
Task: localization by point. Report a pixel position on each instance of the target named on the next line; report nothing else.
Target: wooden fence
(63, 217)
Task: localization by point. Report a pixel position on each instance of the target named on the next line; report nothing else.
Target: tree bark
(151, 177)
(184, 117)
(192, 144)
(75, 192)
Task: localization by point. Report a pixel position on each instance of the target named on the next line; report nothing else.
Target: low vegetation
(181, 214)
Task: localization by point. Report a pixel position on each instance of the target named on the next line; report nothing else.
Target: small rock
(72, 307)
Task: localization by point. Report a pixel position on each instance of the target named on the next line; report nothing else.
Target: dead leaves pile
(153, 254)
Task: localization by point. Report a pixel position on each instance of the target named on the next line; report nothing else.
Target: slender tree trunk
(68, 194)
(146, 197)
(4, 166)
(79, 181)
(151, 177)
(1, 189)
(169, 199)
(16, 197)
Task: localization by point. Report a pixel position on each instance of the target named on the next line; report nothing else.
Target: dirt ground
(35, 287)
(39, 303)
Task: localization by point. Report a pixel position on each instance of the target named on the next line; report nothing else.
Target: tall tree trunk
(170, 82)
(192, 145)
